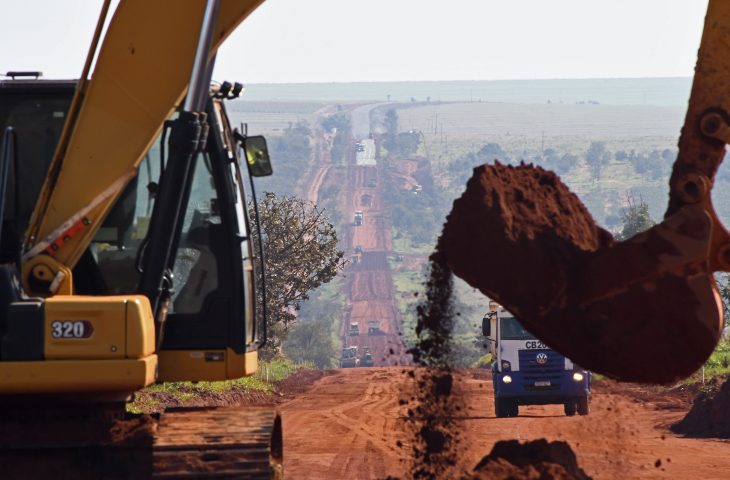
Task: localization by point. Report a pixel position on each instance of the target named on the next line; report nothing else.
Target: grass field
(524, 132)
(266, 118)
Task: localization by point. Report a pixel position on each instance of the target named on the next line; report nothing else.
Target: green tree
(311, 341)
(635, 219)
(403, 145)
(340, 121)
(300, 250)
(290, 152)
(597, 157)
(391, 122)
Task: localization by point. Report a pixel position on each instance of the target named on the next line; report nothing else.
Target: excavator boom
(142, 71)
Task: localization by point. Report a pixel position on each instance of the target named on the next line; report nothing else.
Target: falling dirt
(532, 460)
(436, 442)
(709, 414)
(522, 238)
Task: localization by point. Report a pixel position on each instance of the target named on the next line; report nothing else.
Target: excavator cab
(212, 326)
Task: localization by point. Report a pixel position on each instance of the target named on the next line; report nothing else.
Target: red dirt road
(346, 425)
(369, 284)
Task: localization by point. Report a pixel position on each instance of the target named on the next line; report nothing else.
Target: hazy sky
(375, 40)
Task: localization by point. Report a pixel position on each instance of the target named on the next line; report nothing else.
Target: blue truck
(525, 371)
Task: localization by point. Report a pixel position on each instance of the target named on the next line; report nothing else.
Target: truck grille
(528, 362)
(532, 371)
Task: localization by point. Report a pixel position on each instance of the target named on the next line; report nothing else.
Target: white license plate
(542, 383)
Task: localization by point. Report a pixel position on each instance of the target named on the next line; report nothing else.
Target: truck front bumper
(532, 390)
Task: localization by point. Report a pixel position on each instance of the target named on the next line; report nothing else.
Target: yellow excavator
(127, 260)
(127, 256)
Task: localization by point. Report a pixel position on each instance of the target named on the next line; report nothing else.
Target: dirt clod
(537, 459)
(708, 416)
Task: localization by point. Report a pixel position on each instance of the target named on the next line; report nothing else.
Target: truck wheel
(514, 409)
(583, 405)
(501, 407)
(569, 408)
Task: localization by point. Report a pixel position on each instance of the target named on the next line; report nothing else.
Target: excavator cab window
(212, 304)
(37, 112)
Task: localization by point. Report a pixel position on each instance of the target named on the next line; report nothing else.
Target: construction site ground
(353, 423)
(347, 425)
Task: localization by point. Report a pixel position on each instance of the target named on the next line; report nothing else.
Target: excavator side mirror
(487, 325)
(257, 156)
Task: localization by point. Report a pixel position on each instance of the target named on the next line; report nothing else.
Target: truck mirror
(257, 156)
(486, 326)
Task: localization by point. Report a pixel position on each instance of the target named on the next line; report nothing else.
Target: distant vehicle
(360, 147)
(417, 189)
(358, 249)
(527, 372)
(374, 327)
(399, 258)
(354, 329)
(349, 358)
(367, 359)
(358, 218)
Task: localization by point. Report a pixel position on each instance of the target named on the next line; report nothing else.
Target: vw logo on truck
(541, 358)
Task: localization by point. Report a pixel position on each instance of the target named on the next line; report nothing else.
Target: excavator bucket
(641, 310)
(646, 309)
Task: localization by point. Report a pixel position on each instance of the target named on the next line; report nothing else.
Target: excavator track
(241, 442)
(102, 442)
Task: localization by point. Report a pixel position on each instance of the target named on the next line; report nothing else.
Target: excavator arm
(142, 72)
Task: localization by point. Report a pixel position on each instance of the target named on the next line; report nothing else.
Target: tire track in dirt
(313, 190)
(347, 425)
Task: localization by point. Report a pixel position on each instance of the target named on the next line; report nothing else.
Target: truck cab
(374, 327)
(350, 357)
(354, 329)
(525, 371)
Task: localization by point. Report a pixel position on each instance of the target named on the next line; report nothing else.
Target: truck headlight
(506, 365)
(507, 379)
(578, 377)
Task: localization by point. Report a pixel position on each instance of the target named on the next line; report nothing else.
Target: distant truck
(374, 327)
(366, 360)
(527, 372)
(358, 218)
(354, 329)
(349, 358)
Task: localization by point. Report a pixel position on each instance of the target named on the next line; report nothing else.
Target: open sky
(380, 40)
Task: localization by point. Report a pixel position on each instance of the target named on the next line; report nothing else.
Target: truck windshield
(511, 329)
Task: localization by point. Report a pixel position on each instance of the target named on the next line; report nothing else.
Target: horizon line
(343, 82)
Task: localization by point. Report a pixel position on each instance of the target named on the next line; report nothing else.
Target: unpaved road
(369, 286)
(346, 425)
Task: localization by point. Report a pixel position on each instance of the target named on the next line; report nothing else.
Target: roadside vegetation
(301, 253)
(259, 388)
